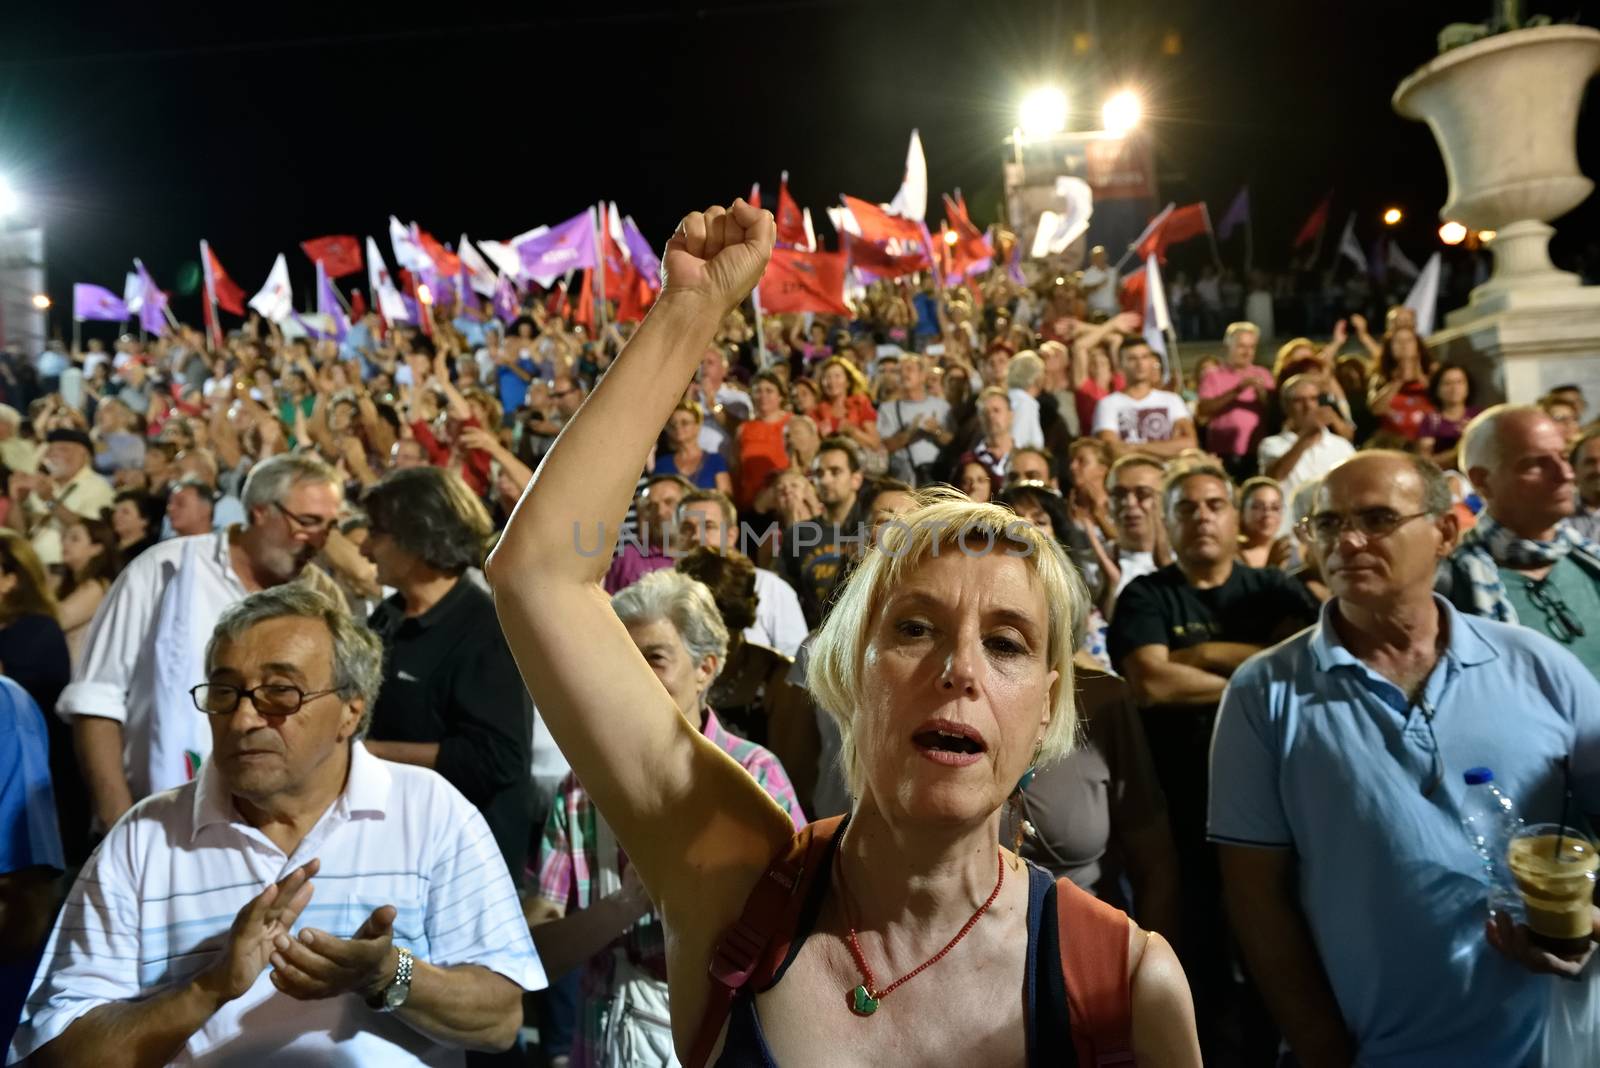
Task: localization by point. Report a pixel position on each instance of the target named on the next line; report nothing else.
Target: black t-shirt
(448, 678)
(1255, 605)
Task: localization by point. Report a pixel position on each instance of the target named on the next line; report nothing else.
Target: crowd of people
(511, 736)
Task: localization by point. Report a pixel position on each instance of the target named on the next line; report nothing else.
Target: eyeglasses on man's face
(1371, 523)
(270, 699)
(316, 524)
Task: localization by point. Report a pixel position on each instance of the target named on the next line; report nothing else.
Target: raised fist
(719, 254)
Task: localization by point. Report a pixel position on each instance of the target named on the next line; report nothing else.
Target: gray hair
(271, 479)
(1480, 442)
(1025, 370)
(1304, 500)
(1235, 329)
(357, 653)
(1294, 382)
(1176, 480)
(684, 602)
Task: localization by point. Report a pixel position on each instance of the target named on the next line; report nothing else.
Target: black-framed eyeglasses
(314, 523)
(1327, 527)
(270, 699)
(1563, 624)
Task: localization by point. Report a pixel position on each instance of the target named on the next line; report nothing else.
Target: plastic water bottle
(1490, 818)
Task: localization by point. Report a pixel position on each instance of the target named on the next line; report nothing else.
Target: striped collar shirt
(155, 902)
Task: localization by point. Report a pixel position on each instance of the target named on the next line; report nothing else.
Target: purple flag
(1238, 214)
(567, 246)
(152, 317)
(1014, 267)
(506, 305)
(91, 303)
(328, 303)
(463, 291)
(413, 311)
(639, 251)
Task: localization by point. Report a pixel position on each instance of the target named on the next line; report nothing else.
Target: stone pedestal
(1504, 111)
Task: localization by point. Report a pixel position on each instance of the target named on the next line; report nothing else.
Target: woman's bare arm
(698, 827)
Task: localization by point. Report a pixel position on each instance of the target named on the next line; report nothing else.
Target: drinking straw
(1566, 802)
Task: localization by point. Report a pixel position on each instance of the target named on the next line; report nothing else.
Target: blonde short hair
(944, 519)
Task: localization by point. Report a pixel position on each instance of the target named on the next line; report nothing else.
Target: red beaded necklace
(864, 998)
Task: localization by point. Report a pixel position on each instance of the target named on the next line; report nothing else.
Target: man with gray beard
(130, 715)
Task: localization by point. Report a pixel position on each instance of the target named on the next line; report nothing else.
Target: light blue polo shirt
(1315, 752)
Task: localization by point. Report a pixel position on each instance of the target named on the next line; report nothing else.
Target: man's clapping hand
(249, 948)
(318, 965)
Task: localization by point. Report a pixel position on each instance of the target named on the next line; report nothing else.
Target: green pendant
(863, 1003)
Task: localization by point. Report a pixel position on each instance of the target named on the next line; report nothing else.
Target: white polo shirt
(132, 643)
(780, 623)
(1329, 451)
(154, 903)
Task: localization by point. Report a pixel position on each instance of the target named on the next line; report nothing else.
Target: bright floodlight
(1486, 236)
(8, 198)
(951, 237)
(41, 301)
(1452, 233)
(1392, 217)
(1044, 112)
(1122, 112)
(424, 294)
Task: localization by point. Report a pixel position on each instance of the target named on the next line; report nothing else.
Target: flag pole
(600, 274)
(1216, 255)
(77, 341)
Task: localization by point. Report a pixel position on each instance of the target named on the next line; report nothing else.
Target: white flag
(1399, 261)
(811, 233)
(479, 273)
(385, 297)
(844, 221)
(1058, 230)
(276, 299)
(1424, 296)
(1349, 246)
(133, 293)
(408, 252)
(912, 200)
(1156, 319)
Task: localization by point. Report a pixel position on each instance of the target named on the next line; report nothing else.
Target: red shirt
(858, 411)
(761, 452)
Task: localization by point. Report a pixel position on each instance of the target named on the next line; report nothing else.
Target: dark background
(137, 130)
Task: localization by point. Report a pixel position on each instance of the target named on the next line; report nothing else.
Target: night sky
(257, 126)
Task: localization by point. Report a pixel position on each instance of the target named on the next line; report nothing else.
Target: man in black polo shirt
(815, 551)
(1177, 636)
(452, 699)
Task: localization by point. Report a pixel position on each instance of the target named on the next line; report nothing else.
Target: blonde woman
(950, 674)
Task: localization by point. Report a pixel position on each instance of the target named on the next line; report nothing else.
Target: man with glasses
(1337, 790)
(1134, 489)
(1526, 561)
(301, 901)
(1176, 636)
(1307, 449)
(133, 727)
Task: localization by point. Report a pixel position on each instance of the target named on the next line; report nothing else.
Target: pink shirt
(1232, 431)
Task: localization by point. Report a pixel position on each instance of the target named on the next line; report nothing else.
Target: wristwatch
(394, 995)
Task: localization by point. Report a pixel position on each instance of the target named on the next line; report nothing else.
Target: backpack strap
(1094, 966)
(751, 951)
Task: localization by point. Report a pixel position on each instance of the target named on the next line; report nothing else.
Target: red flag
(878, 225)
(340, 254)
(1315, 223)
(213, 328)
(970, 251)
(444, 261)
(798, 281)
(791, 225)
(224, 290)
(1131, 292)
(635, 298)
(1178, 225)
(584, 315)
(876, 261)
(617, 266)
(358, 303)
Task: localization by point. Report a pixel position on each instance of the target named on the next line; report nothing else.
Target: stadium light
(1044, 112)
(951, 237)
(41, 302)
(1485, 236)
(9, 201)
(1392, 217)
(424, 294)
(1452, 233)
(1122, 112)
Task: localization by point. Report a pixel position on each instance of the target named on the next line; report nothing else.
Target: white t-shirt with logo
(1150, 418)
